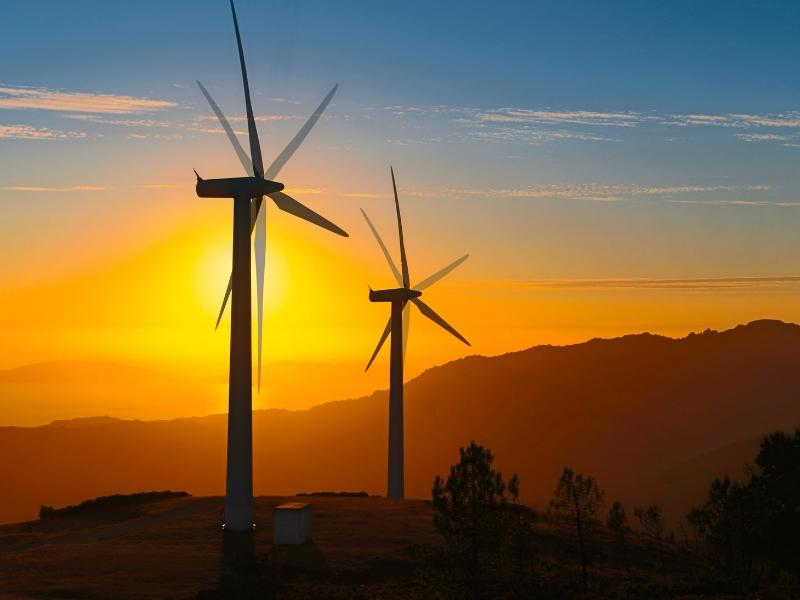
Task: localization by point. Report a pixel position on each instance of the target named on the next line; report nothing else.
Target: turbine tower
(249, 215)
(397, 327)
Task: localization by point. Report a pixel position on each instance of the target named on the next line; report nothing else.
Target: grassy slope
(363, 547)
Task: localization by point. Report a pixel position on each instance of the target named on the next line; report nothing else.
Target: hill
(630, 411)
(361, 548)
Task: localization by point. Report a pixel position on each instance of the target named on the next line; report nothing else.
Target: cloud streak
(598, 192)
(27, 132)
(537, 126)
(90, 118)
(576, 117)
(46, 189)
(719, 284)
(31, 98)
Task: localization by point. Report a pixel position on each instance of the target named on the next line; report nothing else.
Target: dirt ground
(175, 549)
(362, 548)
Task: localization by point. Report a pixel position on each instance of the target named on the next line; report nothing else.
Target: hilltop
(361, 548)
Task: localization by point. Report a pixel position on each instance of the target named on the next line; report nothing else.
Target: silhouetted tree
(477, 512)
(717, 511)
(576, 501)
(654, 525)
(759, 518)
(617, 524)
(696, 518)
(733, 522)
(775, 490)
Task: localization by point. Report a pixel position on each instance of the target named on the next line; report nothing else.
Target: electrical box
(291, 523)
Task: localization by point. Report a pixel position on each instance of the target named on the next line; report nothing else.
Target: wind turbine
(399, 299)
(248, 211)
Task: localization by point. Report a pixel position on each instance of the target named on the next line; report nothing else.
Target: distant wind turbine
(398, 322)
(248, 196)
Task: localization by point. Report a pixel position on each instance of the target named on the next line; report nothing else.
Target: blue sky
(552, 139)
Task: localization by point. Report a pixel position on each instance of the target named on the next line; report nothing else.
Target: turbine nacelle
(236, 187)
(393, 295)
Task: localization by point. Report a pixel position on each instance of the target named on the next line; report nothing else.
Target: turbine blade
(243, 158)
(294, 144)
(385, 250)
(288, 204)
(255, 204)
(429, 281)
(255, 146)
(406, 321)
(431, 314)
(274, 168)
(225, 300)
(384, 335)
(403, 261)
(260, 249)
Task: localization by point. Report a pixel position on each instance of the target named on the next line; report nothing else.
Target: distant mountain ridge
(36, 394)
(637, 412)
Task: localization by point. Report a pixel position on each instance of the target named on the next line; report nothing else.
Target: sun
(213, 269)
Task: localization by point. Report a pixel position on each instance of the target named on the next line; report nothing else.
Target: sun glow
(213, 268)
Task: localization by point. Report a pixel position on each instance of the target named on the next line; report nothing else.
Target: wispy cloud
(258, 118)
(790, 140)
(210, 124)
(720, 284)
(536, 126)
(577, 117)
(286, 100)
(46, 189)
(162, 186)
(528, 135)
(76, 102)
(199, 129)
(90, 118)
(154, 136)
(594, 192)
(27, 132)
(334, 193)
(789, 120)
(737, 202)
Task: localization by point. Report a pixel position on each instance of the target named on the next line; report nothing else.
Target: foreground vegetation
(105, 504)
(744, 540)
(474, 539)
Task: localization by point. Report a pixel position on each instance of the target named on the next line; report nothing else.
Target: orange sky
(132, 270)
(150, 300)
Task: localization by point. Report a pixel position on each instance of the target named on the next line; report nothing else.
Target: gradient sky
(610, 167)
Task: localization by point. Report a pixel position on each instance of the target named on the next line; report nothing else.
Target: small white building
(291, 523)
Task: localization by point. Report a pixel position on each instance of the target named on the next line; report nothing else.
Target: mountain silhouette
(36, 394)
(652, 418)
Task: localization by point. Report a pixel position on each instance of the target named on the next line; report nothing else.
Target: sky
(610, 168)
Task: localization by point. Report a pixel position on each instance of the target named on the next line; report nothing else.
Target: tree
(758, 518)
(775, 489)
(696, 518)
(617, 524)
(717, 513)
(576, 501)
(653, 523)
(477, 512)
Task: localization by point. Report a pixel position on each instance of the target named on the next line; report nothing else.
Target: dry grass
(362, 548)
(174, 548)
